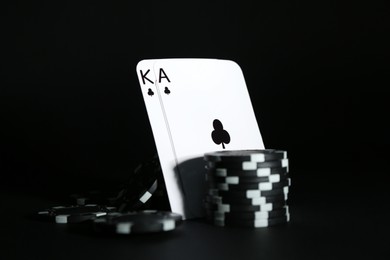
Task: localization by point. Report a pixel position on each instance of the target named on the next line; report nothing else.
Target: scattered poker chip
(263, 186)
(248, 165)
(248, 193)
(141, 186)
(138, 222)
(260, 172)
(145, 196)
(136, 201)
(257, 223)
(210, 214)
(77, 218)
(219, 207)
(122, 211)
(74, 214)
(133, 195)
(94, 197)
(242, 180)
(246, 155)
(246, 201)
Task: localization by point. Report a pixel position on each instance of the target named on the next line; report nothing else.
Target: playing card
(161, 134)
(206, 107)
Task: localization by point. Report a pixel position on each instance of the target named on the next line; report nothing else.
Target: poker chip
(137, 200)
(248, 193)
(247, 188)
(246, 201)
(94, 197)
(251, 215)
(242, 180)
(262, 186)
(256, 223)
(124, 211)
(220, 207)
(260, 172)
(73, 213)
(135, 194)
(137, 222)
(246, 155)
(249, 165)
(140, 187)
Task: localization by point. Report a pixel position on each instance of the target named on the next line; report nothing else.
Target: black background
(73, 117)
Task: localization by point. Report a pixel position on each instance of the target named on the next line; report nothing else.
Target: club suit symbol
(220, 135)
(150, 92)
(167, 91)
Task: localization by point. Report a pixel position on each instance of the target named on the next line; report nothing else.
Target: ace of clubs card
(200, 105)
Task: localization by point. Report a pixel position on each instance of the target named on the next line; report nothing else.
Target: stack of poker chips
(247, 188)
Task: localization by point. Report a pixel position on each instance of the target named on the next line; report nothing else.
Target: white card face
(207, 108)
(161, 135)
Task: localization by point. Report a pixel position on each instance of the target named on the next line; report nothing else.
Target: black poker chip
(244, 180)
(138, 222)
(260, 155)
(134, 201)
(251, 186)
(94, 197)
(211, 214)
(260, 172)
(247, 188)
(248, 193)
(142, 184)
(219, 207)
(135, 194)
(246, 201)
(248, 165)
(73, 213)
(257, 223)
